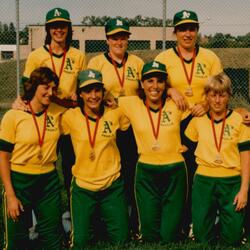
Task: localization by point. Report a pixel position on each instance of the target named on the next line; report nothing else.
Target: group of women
(153, 103)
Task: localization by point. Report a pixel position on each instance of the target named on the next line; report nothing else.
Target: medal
(218, 158)
(188, 91)
(91, 139)
(156, 145)
(121, 80)
(40, 155)
(40, 138)
(122, 92)
(92, 155)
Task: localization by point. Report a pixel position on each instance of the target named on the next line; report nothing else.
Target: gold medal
(189, 91)
(122, 92)
(218, 159)
(92, 155)
(156, 146)
(40, 155)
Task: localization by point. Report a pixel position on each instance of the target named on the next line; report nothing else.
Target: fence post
(17, 48)
(164, 9)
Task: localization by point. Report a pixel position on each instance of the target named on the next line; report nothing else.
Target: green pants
(210, 195)
(113, 209)
(42, 194)
(160, 196)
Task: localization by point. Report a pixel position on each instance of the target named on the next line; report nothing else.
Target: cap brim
(155, 71)
(117, 31)
(59, 20)
(186, 21)
(89, 82)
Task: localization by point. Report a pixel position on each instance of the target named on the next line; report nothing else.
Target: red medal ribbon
(91, 140)
(40, 138)
(53, 64)
(189, 79)
(218, 145)
(157, 130)
(121, 80)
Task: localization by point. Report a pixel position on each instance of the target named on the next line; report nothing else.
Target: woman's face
(92, 99)
(218, 102)
(43, 93)
(118, 44)
(186, 35)
(153, 89)
(58, 32)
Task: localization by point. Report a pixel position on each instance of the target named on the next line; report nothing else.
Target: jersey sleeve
(8, 132)
(83, 62)
(30, 65)
(94, 63)
(64, 125)
(244, 138)
(216, 65)
(123, 121)
(191, 130)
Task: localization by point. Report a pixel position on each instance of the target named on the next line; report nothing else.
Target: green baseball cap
(89, 76)
(185, 16)
(58, 15)
(153, 67)
(116, 25)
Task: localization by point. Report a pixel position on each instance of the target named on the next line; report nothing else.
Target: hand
(73, 96)
(14, 207)
(178, 98)
(198, 110)
(20, 104)
(110, 101)
(240, 200)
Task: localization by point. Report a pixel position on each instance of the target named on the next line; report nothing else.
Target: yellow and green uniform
(161, 174)
(206, 64)
(216, 185)
(134, 64)
(96, 182)
(125, 140)
(75, 61)
(35, 181)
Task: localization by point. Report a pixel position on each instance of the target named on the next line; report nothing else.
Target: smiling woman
(27, 154)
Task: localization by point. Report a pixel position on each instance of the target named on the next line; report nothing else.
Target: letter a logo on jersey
(57, 12)
(119, 23)
(185, 15)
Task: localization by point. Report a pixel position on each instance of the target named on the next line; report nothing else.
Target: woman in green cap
(160, 181)
(97, 181)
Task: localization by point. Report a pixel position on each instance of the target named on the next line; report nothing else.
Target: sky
(228, 16)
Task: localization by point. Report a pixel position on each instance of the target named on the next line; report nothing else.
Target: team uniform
(206, 64)
(35, 180)
(125, 140)
(96, 183)
(216, 185)
(74, 63)
(160, 182)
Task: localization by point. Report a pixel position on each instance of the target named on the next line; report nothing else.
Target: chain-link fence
(224, 27)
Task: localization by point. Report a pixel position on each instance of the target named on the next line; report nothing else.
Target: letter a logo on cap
(185, 15)
(57, 12)
(155, 65)
(119, 22)
(91, 74)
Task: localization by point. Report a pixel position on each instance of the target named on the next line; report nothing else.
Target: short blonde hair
(218, 83)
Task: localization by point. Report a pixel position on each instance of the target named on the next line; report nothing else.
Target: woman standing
(121, 73)
(188, 66)
(221, 181)
(28, 142)
(66, 62)
(160, 182)
(96, 173)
